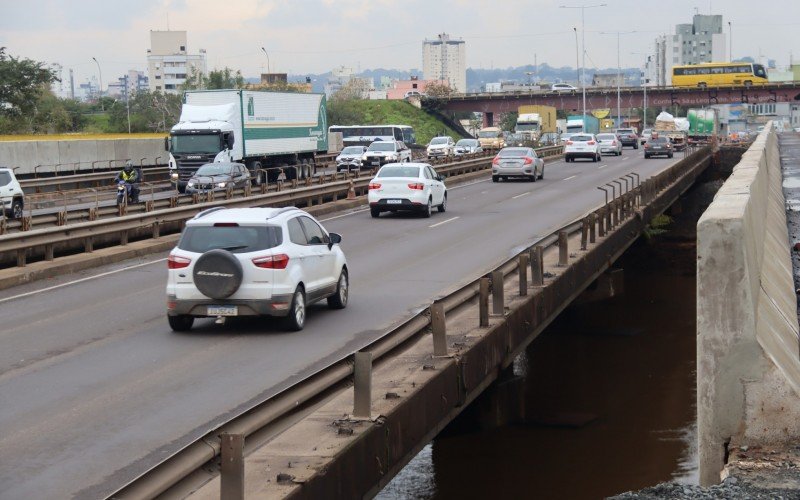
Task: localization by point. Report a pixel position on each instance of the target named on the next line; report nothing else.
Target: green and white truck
(703, 124)
(275, 134)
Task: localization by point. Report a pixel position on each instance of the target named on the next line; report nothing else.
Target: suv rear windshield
(659, 140)
(581, 138)
(236, 239)
(625, 131)
(399, 172)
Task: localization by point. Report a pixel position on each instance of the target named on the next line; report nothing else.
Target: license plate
(222, 311)
(394, 202)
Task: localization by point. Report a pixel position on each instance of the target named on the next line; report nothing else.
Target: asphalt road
(95, 388)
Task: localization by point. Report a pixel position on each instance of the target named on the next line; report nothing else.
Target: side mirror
(229, 141)
(335, 239)
(166, 143)
(440, 178)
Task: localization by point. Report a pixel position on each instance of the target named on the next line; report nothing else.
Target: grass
(400, 113)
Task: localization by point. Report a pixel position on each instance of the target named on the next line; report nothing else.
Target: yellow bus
(719, 75)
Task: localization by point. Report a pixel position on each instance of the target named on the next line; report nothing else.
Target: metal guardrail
(328, 187)
(596, 223)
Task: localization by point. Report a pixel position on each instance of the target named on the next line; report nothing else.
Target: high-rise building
(169, 63)
(699, 42)
(133, 81)
(445, 59)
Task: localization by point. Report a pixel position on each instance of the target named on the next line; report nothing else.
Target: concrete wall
(748, 366)
(79, 154)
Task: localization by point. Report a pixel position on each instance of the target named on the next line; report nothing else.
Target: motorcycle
(124, 193)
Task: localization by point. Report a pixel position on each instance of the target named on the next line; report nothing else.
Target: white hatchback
(254, 262)
(581, 146)
(408, 186)
(609, 143)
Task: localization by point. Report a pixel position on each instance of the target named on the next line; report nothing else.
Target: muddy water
(609, 392)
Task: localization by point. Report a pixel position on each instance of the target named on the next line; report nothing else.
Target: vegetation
(658, 225)
(376, 112)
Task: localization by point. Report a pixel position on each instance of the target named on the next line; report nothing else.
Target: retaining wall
(748, 362)
(78, 154)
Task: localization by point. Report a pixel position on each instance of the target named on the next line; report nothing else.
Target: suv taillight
(591, 143)
(279, 261)
(417, 185)
(569, 143)
(374, 185)
(176, 262)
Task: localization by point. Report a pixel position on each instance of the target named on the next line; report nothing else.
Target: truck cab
(191, 146)
(529, 125)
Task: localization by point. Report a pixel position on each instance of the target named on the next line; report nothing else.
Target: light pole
(619, 67)
(583, 44)
(577, 57)
(128, 101)
(730, 41)
(102, 108)
(265, 53)
(644, 86)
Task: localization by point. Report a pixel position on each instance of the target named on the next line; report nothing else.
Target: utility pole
(583, 44)
(100, 93)
(619, 67)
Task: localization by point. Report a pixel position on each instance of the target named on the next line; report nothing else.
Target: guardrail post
(123, 238)
(231, 484)
(563, 249)
(156, 230)
(48, 252)
(247, 190)
(173, 201)
(498, 295)
(3, 225)
(61, 218)
(584, 233)
(537, 265)
(593, 219)
(614, 214)
(228, 192)
(362, 385)
(439, 329)
(265, 187)
(21, 255)
(27, 222)
(93, 213)
(523, 274)
(88, 244)
(195, 198)
(483, 302)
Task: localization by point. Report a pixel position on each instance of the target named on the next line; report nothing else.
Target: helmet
(128, 166)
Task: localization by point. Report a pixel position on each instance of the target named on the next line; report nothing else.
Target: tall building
(445, 59)
(133, 81)
(169, 63)
(699, 42)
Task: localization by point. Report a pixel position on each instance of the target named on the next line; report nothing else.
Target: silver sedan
(517, 162)
(609, 143)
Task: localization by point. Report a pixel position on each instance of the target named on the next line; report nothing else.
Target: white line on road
(601, 166)
(570, 177)
(627, 157)
(345, 215)
(444, 222)
(62, 285)
(520, 195)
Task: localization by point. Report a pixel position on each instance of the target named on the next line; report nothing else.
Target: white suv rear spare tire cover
(217, 274)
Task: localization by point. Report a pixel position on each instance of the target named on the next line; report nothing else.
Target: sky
(314, 36)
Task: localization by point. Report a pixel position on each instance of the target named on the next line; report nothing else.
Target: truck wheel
(256, 173)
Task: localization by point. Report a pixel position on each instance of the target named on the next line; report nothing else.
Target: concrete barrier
(79, 154)
(748, 364)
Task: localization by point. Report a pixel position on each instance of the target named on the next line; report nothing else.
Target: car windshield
(438, 140)
(488, 134)
(399, 172)
(513, 152)
(659, 140)
(381, 146)
(467, 142)
(606, 137)
(352, 150)
(625, 131)
(236, 239)
(581, 138)
(214, 169)
(198, 144)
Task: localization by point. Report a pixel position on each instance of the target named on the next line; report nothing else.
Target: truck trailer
(277, 135)
(535, 120)
(575, 124)
(703, 125)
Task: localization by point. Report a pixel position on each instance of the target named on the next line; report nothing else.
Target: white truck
(275, 134)
(529, 125)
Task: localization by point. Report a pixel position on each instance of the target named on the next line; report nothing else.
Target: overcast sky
(313, 36)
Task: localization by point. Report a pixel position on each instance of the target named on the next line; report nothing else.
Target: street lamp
(128, 101)
(265, 53)
(644, 85)
(102, 108)
(583, 43)
(577, 56)
(730, 41)
(619, 65)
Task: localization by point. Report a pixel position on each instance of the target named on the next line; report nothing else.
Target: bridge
(491, 104)
(101, 399)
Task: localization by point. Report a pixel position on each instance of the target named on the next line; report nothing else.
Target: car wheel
(541, 176)
(443, 206)
(646, 155)
(635, 146)
(495, 178)
(296, 319)
(533, 177)
(180, 323)
(669, 156)
(594, 158)
(339, 299)
(16, 209)
(427, 211)
(256, 174)
(374, 212)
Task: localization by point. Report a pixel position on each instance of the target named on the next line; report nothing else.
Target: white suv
(380, 153)
(582, 146)
(441, 146)
(12, 199)
(254, 262)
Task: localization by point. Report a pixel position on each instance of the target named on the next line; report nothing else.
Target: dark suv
(628, 137)
(658, 146)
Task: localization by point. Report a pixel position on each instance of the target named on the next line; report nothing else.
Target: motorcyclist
(130, 176)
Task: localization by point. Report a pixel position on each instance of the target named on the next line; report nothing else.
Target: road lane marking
(62, 285)
(570, 177)
(601, 166)
(444, 222)
(520, 195)
(345, 215)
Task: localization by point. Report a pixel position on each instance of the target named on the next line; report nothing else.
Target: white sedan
(407, 187)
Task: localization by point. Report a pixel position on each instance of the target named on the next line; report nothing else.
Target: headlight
(191, 184)
(364, 157)
(174, 175)
(222, 184)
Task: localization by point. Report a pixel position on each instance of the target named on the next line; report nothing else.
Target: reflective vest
(128, 176)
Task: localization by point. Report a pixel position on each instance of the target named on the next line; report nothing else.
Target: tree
(508, 121)
(216, 79)
(354, 88)
(150, 112)
(437, 90)
(22, 83)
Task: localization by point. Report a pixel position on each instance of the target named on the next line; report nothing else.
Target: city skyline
(313, 36)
